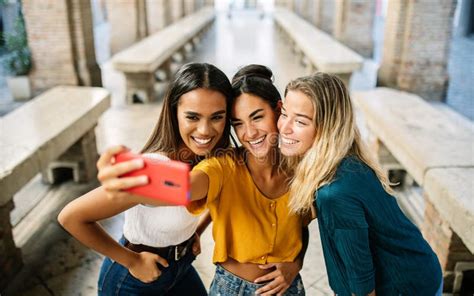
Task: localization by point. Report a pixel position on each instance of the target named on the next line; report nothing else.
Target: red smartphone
(168, 179)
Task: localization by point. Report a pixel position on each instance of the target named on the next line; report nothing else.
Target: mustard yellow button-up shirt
(247, 226)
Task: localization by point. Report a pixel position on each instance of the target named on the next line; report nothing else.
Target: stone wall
(354, 24)
(125, 33)
(445, 243)
(61, 42)
(158, 14)
(328, 13)
(415, 54)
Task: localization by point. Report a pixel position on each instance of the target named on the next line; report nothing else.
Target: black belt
(171, 253)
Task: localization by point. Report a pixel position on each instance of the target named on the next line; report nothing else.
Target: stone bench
(140, 61)
(320, 51)
(52, 132)
(438, 154)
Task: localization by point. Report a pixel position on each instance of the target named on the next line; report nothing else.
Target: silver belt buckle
(177, 254)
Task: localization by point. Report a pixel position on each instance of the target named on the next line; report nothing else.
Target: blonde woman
(369, 246)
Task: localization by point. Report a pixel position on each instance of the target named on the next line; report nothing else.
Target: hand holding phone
(168, 180)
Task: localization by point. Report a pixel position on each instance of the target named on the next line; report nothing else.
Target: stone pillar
(445, 243)
(10, 259)
(61, 40)
(200, 4)
(316, 12)
(306, 12)
(177, 11)
(289, 4)
(328, 16)
(189, 7)
(300, 8)
(125, 33)
(415, 52)
(354, 25)
(158, 14)
(393, 42)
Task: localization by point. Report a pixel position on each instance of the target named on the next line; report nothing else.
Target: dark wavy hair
(165, 137)
(256, 80)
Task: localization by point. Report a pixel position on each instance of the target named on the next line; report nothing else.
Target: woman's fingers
(271, 288)
(106, 157)
(268, 277)
(116, 170)
(124, 183)
(162, 261)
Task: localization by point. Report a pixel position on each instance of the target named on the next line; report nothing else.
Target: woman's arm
(80, 218)
(114, 185)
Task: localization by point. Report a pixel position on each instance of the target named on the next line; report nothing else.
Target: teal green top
(368, 243)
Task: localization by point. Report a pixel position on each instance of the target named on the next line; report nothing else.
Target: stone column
(328, 16)
(10, 259)
(354, 25)
(61, 40)
(316, 12)
(177, 11)
(125, 33)
(189, 7)
(415, 53)
(289, 4)
(158, 14)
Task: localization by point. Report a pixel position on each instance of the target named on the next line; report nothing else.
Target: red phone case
(168, 179)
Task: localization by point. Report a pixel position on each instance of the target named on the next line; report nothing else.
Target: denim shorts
(228, 284)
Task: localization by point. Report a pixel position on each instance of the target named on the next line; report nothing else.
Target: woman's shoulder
(225, 159)
(350, 177)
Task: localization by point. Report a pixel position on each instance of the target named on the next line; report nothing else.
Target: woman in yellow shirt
(256, 237)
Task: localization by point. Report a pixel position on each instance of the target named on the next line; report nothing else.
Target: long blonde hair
(336, 137)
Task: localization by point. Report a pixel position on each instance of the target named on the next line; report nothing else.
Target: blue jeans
(180, 278)
(228, 284)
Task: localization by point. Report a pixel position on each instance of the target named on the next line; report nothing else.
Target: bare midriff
(247, 271)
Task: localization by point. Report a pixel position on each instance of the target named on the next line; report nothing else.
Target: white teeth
(258, 141)
(288, 141)
(202, 141)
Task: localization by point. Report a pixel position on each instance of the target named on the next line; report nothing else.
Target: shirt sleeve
(346, 216)
(218, 170)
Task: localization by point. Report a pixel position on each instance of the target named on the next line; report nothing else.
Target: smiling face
(254, 122)
(201, 119)
(296, 124)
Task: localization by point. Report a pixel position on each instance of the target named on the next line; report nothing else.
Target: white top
(159, 226)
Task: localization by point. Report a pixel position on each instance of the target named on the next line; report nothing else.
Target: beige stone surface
(451, 192)
(30, 140)
(324, 52)
(151, 52)
(418, 135)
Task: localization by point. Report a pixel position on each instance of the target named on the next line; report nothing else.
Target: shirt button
(272, 205)
(263, 257)
(273, 224)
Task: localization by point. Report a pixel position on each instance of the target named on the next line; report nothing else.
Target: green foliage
(18, 60)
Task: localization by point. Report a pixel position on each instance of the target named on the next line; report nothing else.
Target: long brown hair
(165, 137)
(337, 136)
